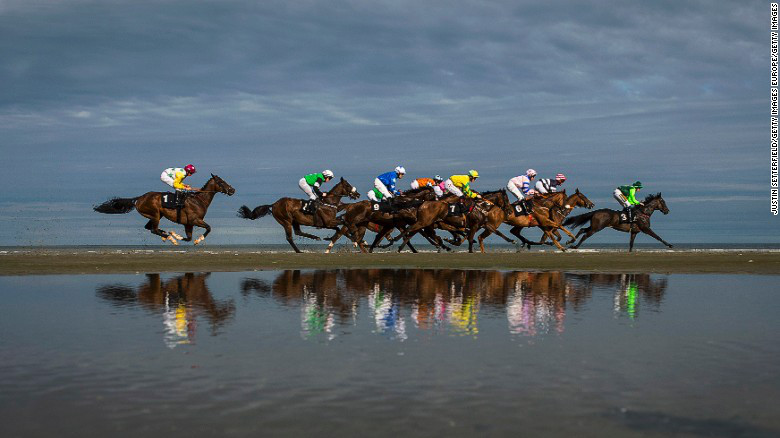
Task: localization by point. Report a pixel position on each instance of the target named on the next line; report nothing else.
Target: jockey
(310, 184)
(439, 188)
(520, 186)
(459, 185)
(547, 185)
(626, 196)
(174, 177)
(428, 182)
(384, 185)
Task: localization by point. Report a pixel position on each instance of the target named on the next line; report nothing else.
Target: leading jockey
(174, 177)
(428, 182)
(460, 185)
(548, 185)
(384, 185)
(626, 197)
(520, 186)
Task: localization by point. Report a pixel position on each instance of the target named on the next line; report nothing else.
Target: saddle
(171, 200)
(383, 207)
(310, 206)
(459, 208)
(522, 208)
(627, 216)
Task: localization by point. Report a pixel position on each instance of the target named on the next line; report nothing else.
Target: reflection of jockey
(174, 177)
(626, 196)
(459, 185)
(310, 184)
(520, 186)
(428, 182)
(384, 185)
(547, 185)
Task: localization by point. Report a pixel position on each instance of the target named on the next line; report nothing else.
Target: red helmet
(190, 169)
(560, 177)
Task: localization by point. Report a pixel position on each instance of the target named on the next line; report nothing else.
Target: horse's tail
(579, 220)
(116, 206)
(259, 211)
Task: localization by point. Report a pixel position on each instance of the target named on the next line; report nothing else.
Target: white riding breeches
(372, 196)
(452, 189)
(414, 185)
(167, 179)
(438, 191)
(621, 198)
(381, 187)
(515, 191)
(307, 189)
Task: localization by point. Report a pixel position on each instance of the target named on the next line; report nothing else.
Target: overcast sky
(98, 96)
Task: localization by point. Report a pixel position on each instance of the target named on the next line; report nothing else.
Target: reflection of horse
(533, 301)
(149, 205)
(605, 217)
(184, 293)
(290, 215)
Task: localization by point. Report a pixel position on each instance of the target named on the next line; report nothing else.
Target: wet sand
(108, 261)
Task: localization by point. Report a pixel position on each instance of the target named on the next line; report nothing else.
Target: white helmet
(530, 173)
(400, 170)
(327, 173)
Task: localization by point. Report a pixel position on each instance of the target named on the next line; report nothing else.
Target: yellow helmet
(473, 173)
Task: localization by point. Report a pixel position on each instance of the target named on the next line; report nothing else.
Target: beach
(107, 260)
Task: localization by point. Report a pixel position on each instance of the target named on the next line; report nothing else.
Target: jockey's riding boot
(629, 215)
(179, 198)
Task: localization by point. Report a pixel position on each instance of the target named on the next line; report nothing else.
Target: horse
(288, 212)
(605, 217)
(149, 205)
(359, 216)
(560, 207)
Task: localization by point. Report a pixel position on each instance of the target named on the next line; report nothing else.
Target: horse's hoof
(175, 235)
(199, 239)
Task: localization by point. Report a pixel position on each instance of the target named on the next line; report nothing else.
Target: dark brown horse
(149, 205)
(288, 212)
(605, 217)
(360, 216)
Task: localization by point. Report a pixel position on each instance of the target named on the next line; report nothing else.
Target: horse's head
(221, 186)
(578, 199)
(656, 202)
(344, 188)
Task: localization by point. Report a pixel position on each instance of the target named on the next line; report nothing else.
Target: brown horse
(605, 217)
(288, 212)
(360, 216)
(560, 207)
(149, 205)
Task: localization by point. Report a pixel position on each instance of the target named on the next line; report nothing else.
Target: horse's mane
(652, 197)
(492, 192)
(209, 180)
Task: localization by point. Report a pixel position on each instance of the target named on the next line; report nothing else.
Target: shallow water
(389, 352)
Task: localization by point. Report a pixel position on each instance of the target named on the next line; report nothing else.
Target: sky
(99, 96)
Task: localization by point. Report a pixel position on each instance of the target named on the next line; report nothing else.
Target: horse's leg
(430, 234)
(482, 237)
(470, 235)
(153, 227)
(649, 232)
(297, 227)
(515, 230)
(587, 233)
(336, 237)
(384, 231)
(631, 241)
(288, 232)
(548, 232)
(581, 230)
(188, 230)
(201, 223)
